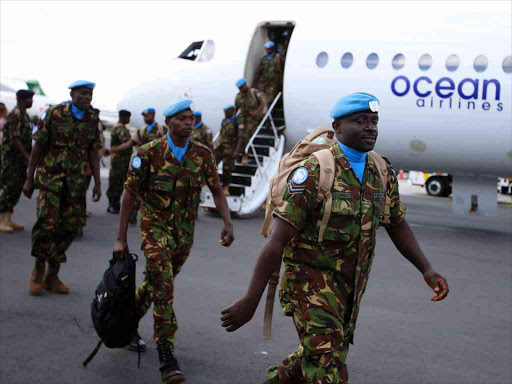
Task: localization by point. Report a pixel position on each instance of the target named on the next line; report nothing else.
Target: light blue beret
(197, 113)
(269, 44)
(354, 102)
(240, 83)
(178, 106)
(82, 83)
(229, 106)
(148, 110)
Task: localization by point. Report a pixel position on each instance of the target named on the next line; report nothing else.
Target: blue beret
(229, 106)
(197, 113)
(354, 102)
(148, 110)
(177, 107)
(82, 83)
(269, 44)
(240, 83)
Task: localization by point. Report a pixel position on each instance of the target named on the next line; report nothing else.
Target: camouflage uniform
(119, 162)
(61, 176)
(14, 166)
(170, 194)
(323, 283)
(204, 135)
(226, 145)
(246, 102)
(270, 76)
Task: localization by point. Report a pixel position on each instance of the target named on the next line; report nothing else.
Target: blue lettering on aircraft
(467, 94)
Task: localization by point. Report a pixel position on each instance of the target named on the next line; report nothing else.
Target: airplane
(442, 72)
(10, 85)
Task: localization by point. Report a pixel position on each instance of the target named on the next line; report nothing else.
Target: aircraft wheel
(437, 187)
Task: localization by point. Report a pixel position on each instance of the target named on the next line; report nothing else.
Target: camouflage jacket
(341, 264)
(204, 135)
(171, 191)
(270, 71)
(120, 135)
(228, 133)
(16, 125)
(143, 136)
(65, 144)
(246, 102)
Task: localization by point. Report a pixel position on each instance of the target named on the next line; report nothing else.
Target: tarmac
(401, 336)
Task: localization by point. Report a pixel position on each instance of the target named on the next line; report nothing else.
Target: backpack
(317, 146)
(113, 307)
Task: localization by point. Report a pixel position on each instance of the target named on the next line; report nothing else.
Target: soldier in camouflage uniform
(250, 108)
(66, 141)
(168, 175)
(228, 145)
(150, 132)
(119, 162)
(201, 132)
(323, 282)
(15, 151)
(269, 75)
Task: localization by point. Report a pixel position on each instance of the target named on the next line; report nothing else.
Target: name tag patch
(379, 196)
(341, 195)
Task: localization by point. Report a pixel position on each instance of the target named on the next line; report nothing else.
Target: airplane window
(452, 63)
(480, 63)
(372, 61)
(425, 62)
(322, 59)
(346, 60)
(398, 61)
(192, 51)
(507, 64)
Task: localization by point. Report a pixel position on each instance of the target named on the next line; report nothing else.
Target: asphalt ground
(401, 337)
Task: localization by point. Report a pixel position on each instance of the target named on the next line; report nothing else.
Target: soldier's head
(124, 116)
(269, 47)
(179, 118)
(81, 93)
(24, 98)
(34, 119)
(229, 111)
(242, 85)
(197, 117)
(149, 115)
(356, 119)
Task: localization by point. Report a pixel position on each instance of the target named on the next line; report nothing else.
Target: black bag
(113, 307)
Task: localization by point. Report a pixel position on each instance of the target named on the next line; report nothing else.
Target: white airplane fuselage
(433, 119)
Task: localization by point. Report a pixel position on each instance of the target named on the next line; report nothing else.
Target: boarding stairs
(250, 184)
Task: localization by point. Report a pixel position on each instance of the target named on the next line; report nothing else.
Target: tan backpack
(317, 146)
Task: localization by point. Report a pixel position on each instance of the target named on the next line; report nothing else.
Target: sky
(116, 44)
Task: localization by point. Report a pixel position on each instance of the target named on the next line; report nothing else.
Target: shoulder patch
(136, 162)
(319, 140)
(299, 176)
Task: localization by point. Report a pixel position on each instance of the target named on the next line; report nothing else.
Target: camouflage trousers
(165, 257)
(250, 125)
(117, 177)
(224, 153)
(60, 216)
(12, 177)
(322, 353)
(271, 92)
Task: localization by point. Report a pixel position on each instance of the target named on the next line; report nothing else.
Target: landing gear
(438, 186)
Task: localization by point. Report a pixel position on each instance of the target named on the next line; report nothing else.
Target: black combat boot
(110, 208)
(171, 373)
(137, 344)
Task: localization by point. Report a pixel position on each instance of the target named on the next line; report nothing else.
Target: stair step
(236, 191)
(266, 140)
(262, 150)
(251, 162)
(249, 170)
(240, 181)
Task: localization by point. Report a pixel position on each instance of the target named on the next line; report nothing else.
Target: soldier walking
(168, 175)
(228, 145)
(15, 153)
(269, 75)
(250, 108)
(119, 162)
(323, 281)
(201, 131)
(67, 141)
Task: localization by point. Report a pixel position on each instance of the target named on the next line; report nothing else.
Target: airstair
(249, 184)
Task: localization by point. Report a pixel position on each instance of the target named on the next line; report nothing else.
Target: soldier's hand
(28, 188)
(106, 152)
(120, 246)
(227, 236)
(237, 314)
(235, 154)
(438, 283)
(96, 192)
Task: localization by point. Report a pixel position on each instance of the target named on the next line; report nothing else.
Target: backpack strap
(91, 356)
(268, 217)
(325, 182)
(382, 167)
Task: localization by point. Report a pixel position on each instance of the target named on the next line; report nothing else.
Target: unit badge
(319, 140)
(374, 106)
(297, 180)
(136, 162)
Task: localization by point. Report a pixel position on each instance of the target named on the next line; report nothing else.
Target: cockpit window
(192, 51)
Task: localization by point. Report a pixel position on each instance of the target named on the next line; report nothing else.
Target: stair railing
(250, 144)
